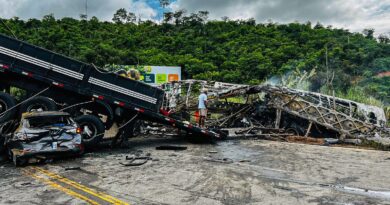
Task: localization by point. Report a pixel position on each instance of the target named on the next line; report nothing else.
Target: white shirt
(202, 99)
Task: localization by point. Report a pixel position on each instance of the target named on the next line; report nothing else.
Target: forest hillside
(328, 60)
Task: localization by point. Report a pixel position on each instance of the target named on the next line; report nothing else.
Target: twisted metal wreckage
(267, 110)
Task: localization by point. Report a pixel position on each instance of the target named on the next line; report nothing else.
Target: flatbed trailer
(69, 82)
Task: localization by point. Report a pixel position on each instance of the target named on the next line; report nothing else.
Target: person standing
(202, 106)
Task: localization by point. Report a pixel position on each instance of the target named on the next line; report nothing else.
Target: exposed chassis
(244, 110)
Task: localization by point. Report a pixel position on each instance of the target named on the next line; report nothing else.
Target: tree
(178, 15)
(369, 33)
(204, 15)
(49, 18)
(383, 38)
(120, 16)
(164, 3)
(238, 51)
(83, 16)
(168, 16)
(131, 18)
(318, 26)
(225, 18)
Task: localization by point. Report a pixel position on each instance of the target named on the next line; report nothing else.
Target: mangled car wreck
(41, 136)
(243, 110)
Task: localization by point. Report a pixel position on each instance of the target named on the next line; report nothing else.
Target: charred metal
(267, 110)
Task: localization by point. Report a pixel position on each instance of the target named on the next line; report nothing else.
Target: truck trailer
(94, 97)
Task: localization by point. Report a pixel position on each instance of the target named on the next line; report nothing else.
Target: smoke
(296, 79)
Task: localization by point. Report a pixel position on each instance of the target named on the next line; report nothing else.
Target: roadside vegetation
(345, 64)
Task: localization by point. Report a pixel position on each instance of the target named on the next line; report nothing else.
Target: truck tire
(39, 103)
(2, 145)
(93, 130)
(6, 102)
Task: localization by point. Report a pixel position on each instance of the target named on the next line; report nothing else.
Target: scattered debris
(26, 183)
(72, 168)
(245, 160)
(353, 141)
(385, 194)
(331, 140)
(171, 147)
(213, 152)
(136, 161)
(220, 160)
(306, 140)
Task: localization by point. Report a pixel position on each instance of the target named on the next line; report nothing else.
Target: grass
(357, 94)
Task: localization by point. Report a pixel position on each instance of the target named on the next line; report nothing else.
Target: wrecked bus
(265, 110)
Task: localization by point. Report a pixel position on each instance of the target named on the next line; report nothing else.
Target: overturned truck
(267, 110)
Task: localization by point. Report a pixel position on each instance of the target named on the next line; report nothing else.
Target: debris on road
(136, 160)
(245, 160)
(171, 147)
(306, 140)
(219, 160)
(26, 184)
(331, 140)
(72, 168)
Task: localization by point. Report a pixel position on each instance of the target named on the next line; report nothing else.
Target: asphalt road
(232, 172)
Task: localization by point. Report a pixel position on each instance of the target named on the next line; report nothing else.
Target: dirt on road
(231, 172)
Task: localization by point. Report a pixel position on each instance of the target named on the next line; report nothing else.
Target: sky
(354, 15)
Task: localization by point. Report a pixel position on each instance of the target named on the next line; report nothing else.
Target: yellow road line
(83, 188)
(61, 188)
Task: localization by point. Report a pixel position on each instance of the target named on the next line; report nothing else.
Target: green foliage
(378, 87)
(359, 95)
(381, 64)
(237, 51)
(18, 93)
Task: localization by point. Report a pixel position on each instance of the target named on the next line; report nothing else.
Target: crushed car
(40, 137)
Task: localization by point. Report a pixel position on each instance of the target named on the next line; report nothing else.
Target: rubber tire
(299, 130)
(2, 145)
(100, 128)
(10, 102)
(135, 130)
(48, 103)
(19, 162)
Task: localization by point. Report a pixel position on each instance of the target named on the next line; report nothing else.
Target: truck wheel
(2, 145)
(93, 130)
(6, 102)
(137, 128)
(39, 103)
(19, 162)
